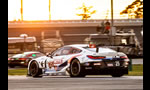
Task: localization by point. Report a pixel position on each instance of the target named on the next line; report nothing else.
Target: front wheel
(34, 70)
(76, 69)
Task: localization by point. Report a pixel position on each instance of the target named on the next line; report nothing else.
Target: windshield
(33, 55)
(17, 56)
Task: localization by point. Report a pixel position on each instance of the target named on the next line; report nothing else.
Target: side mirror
(48, 55)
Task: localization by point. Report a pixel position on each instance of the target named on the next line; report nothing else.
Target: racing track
(67, 83)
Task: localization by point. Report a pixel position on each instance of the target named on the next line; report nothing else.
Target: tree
(86, 12)
(134, 10)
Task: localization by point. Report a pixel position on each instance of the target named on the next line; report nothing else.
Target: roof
(101, 49)
(107, 36)
(79, 45)
(52, 40)
(30, 52)
(19, 39)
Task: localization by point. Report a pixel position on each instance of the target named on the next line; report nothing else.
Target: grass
(137, 70)
(22, 71)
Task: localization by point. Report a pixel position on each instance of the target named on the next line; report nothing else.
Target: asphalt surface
(137, 61)
(67, 83)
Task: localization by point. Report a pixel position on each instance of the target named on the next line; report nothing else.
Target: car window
(26, 55)
(17, 56)
(34, 55)
(75, 50)
(57, 52)
(39, 54)
(62, 51)
(65, 50)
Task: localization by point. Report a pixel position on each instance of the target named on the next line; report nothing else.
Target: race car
(80, 60)
(23, 59)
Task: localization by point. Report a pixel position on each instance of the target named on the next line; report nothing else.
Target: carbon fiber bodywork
(103, 68)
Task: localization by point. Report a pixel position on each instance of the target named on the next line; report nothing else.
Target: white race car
(80, 60)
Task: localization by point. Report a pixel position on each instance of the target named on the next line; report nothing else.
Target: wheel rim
(33, 69)
(75, 68)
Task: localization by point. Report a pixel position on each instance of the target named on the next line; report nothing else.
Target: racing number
(117, 63)
(53, 63)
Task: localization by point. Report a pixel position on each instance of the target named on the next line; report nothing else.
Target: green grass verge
(137, 70)
(17, 71)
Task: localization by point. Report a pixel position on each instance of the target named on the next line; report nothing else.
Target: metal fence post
(130, 65)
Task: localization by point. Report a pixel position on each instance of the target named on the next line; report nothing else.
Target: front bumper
(17, 63)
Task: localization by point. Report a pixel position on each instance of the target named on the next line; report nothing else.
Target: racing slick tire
(76, 69)
(116, 75)
(34, 70)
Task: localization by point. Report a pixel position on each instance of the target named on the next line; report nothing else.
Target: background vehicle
(125, 42)
(18, 45)
(23, 59)
(51, 44)
(79, 61)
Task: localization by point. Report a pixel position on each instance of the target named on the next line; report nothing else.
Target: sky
(64, 9)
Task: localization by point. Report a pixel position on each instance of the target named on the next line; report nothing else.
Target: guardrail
(130, 65)
(74, 21)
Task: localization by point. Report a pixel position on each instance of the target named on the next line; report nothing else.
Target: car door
(54, 56)
(61, 57)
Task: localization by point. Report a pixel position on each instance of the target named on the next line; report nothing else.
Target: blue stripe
(62, 66)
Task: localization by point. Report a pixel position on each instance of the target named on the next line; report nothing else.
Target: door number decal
(117, 63)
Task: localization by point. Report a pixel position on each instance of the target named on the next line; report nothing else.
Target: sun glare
(63, 9)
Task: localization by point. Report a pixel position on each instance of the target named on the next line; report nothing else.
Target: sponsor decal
(110, 64)
(55, 67)
(51, 64)
(58, 61)
(95, 64)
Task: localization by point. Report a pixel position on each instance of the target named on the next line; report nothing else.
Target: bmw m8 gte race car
(80, 60)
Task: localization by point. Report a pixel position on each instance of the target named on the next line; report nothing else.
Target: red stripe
(72, 58)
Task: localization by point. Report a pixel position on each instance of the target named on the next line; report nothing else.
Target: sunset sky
(64, 9)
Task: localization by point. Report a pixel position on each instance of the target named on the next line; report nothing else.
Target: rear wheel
(117, 75)
(11, 66)
(34, 70)
(76, 69)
